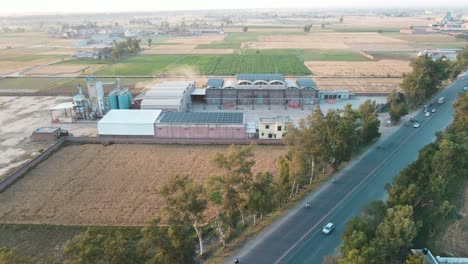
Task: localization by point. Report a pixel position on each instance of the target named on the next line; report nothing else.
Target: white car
(465, 88)
(328, 228)
(427, 114)
(434, 110)
(416, 125)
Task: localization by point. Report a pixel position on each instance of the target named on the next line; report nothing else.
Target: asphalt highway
(297, 237)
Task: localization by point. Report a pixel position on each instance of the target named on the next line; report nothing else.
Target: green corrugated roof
(202, 118)
(215, 82)
(260, 76)
(305, 82)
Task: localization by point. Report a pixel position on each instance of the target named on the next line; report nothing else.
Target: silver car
(328, 228)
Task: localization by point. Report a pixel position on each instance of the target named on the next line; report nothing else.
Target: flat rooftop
(46, 129)
(125, 116)
(276, 119)
(202, 118)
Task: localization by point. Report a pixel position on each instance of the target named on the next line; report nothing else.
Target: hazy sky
(97, 6)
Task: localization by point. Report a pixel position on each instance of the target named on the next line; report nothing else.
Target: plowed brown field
(110, 185)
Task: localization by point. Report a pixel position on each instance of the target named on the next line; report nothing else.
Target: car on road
(441, 100)
(465, 88)
(328, 228)
(416, 125)
(433, 110)
(427, 114)
(411, 119)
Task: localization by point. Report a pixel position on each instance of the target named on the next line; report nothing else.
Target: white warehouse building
(128, 123)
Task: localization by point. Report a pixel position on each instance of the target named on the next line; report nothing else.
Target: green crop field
(312, 54)
(233, 40)
(229, 64)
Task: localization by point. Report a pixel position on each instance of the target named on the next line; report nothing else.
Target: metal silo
(113, 101)
(124, 101)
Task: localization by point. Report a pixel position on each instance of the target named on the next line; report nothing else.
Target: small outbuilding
(47, 134)
(124, 122)
(274, 127)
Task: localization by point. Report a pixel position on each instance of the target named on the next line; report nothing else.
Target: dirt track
(109, 185)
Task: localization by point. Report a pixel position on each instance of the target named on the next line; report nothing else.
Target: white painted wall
(126, 129)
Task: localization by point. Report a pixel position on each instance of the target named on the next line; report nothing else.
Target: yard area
(115, 185)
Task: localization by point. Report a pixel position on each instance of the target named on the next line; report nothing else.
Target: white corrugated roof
(66, 105)
(125, 116)
(199, 92)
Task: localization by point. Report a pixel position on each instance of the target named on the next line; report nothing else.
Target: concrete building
(128, 123)
(264, 89)
(334, 95)
(274, 128)
(169, 96)
(45, 134)
(450, 54)
(201, 125)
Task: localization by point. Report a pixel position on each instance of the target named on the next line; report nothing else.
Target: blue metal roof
(202, 118)
(305, 82)
(260, 76)
(215, 82)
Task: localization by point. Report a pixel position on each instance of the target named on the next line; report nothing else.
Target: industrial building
(264, 89)
(183, 125)
(334, 95)
(169, 96)
(274, 127)
(206, 125)
(128, 123)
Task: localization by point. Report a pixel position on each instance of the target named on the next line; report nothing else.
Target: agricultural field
(361, 85)
(368, 68)
(207, 65)
(115, 185)
(30, 85)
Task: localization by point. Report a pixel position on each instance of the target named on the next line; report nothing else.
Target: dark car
(411, 119)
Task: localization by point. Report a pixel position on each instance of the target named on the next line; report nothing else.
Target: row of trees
(129, 46)
(427, 75)
(421, 201)
(327, 140)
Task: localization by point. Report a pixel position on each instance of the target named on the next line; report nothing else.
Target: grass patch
(229, 64)
(399, 55)
(39, 84)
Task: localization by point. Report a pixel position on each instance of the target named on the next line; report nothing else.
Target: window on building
(279, 128)
(270, 135)
(267, 127)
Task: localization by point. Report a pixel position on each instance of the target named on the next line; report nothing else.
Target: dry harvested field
(188, 45)
(93, 184)
(343, 68)
(330, 40)
(19, 116)
(362, 85)
(64, 69)
(266, 29)
(455, 240)
(8, 67)
(382, 22)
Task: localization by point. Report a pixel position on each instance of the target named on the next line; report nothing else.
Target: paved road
(296, 237)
